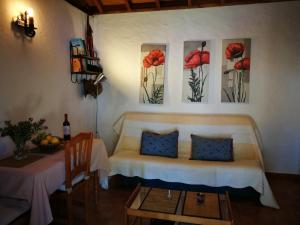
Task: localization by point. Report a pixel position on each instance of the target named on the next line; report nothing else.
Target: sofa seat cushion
(239, 173)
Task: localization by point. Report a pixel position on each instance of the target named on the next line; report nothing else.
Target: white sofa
(247, 169)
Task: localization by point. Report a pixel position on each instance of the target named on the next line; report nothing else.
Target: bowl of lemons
(47, 142)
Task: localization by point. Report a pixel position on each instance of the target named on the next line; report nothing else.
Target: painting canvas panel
(196, 71)
(236, 70)
(153, 57)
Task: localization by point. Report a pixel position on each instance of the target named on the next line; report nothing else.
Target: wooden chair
(78, 160)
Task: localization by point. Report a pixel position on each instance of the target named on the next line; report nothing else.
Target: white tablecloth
(36, 181)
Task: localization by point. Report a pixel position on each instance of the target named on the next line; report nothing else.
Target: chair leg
(70, 211)
(86, 200)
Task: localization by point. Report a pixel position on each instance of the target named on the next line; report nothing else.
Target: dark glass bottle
(67, 129)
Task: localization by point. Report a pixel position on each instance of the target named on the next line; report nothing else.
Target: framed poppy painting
(153, 59)
(236, 70)
(196, 71)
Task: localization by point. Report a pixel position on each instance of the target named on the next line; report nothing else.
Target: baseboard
(283, 175)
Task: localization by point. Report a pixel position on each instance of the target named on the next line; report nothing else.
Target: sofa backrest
(240, 127)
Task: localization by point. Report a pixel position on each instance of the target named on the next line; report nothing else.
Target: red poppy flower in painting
(234, 50)
(192, 60)
(154, 58)
(196, 58)
(243, 64)
(153, 95)
(204, 57)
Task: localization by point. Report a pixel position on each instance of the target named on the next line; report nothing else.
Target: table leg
(126, 220)
(96, 185)
(134, 220)
(70, 211)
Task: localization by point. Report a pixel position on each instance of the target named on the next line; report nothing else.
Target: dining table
(37, 180)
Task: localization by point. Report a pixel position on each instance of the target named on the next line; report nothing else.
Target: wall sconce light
(26, 21)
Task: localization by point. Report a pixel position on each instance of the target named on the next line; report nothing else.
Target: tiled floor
(110, 210)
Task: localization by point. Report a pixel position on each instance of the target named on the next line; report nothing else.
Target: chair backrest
(78, 156)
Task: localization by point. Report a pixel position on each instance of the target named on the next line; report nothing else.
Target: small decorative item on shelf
(77, 47)
(22, 132)
(76, 65)
(92, 64)
(83, 65)
(200, 197)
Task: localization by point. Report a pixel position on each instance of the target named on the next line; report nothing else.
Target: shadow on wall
(19, 33)
(113, 111)
(24, 110)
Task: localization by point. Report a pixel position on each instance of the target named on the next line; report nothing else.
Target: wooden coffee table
(177, 206)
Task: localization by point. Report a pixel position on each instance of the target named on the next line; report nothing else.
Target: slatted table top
(180, 206)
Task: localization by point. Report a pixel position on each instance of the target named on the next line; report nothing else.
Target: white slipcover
(246, 170)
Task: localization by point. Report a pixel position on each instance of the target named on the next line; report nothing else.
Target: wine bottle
(67, 130)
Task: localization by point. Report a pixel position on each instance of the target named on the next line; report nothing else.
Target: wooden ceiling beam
(121, 6)
(157, 3)
(128, 7)
(90, 2)
(98, 5)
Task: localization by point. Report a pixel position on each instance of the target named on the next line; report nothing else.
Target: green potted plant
(22, 132)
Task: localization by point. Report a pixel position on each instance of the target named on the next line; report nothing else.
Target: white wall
(35, 74)
(275, 68)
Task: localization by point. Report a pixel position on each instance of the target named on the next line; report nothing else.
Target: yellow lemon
(44, 142)
(54, 140)
(49, 137)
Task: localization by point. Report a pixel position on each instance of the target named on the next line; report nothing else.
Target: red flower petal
(191, 54)
(246, 63)
(146, 63)
(193, 62)
(204, 57)
(159, 61)
(154, 58)
(243, 64)
(238, 65)
(234, 50)
(196, 58)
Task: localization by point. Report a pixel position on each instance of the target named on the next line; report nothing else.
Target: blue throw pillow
(212, 149)
(160, 144)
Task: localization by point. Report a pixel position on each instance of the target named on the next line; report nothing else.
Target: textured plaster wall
(275, 72)
(35, 74)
